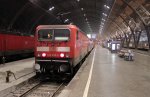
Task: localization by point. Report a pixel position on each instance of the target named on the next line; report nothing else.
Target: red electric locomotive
(59, 48)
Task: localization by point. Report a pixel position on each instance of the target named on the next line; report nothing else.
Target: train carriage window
(45, 34)
(61, 34)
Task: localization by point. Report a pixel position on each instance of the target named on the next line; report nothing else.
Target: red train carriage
(59, 48)
(15, 44)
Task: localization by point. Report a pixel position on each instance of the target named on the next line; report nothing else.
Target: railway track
(38, 89)
(34, 87)
(43, 90)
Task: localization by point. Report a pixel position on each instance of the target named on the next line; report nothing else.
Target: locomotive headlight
(62, 55)
(37, 67)
(43, 54)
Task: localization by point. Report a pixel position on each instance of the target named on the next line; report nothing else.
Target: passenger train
(13, 44)
(59, 48)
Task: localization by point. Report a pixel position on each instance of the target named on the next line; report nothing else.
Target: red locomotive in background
(15, 44)
(59, 48)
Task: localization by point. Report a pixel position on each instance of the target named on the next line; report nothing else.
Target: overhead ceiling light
(51, 8)
(84, 14)
(86, 19)
(102, 23)
(101, 26)
(82, 9)
(106, 6)
(78, 0)
(103, 19)
(66, 20)
(104, 14)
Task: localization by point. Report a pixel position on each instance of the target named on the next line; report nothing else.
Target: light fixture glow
(50, 9)
(62, 55)
(66, 20)
(106, 6)
(102, 23)
(103, 19)
(43, 54)
(104, 14)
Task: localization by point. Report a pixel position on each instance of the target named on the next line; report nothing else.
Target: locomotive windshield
(53, 34)
(61, 34)
(45, 34)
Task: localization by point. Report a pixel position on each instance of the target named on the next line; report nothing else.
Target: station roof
(25, 15)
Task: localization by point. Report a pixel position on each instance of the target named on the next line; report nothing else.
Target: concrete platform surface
(111, 76)
(23, 69)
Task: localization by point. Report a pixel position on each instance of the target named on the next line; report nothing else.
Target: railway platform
(22, 70)
(104, 74)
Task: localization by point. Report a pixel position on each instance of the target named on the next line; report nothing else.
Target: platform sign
(108, 45)
(113, 46)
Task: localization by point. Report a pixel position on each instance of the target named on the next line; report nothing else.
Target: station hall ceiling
(24, 15)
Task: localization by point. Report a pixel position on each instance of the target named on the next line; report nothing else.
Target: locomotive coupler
(8, 74)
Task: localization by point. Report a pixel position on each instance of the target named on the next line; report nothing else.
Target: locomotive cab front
(53, 50)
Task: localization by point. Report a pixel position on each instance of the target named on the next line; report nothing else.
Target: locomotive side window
(61, 34)
(45, 34)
